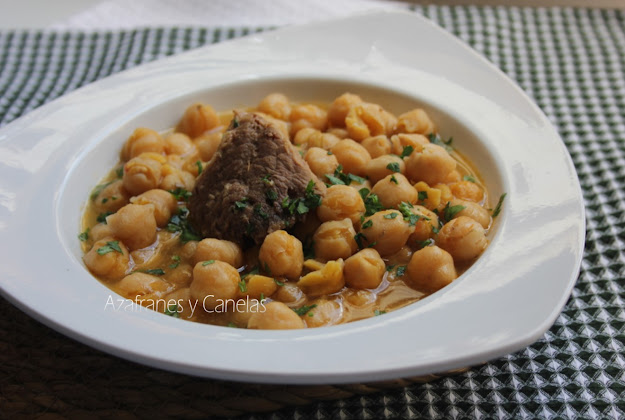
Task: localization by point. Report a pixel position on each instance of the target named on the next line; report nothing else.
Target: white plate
(52, 157)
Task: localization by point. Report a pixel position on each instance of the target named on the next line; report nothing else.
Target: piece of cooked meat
(256, 183)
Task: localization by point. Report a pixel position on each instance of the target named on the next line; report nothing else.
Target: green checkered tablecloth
(571, 61)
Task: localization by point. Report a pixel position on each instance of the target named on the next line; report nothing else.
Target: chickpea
(257, 286)
(105, 261)
(385, 165)
(135, 225)
(143, 173)
(283, 254)
(432, 164)
(339, 133)
(111, 198)
(339, 202)
(326, 312)
(143, 288)
(100, 231)
(220, 250)
(359, 297)
(181, 276)
(311, 137)
(309, 115)
(377, 146)
(213, 283)
(426, 226)
(453, 176)
(197, 119)
(326, 281)
(320, 162)
(369, 120)
(387, 231)
(244, 310)
(207, 144)
(175, 178)
(399, 141)
(427, 196)
(182, 298)
(179, 144)
(364, 270)
(277, 316)
(415, 121)
(289, 293)
(394, 189)
(340, 107)
(163, 201)
(281, 126)
(467, 190)
(142, 140)
(277, 105)
(334, 240)
(464, 238)
(430, 269)
(472, 210)
(188, 250)
(352, 156)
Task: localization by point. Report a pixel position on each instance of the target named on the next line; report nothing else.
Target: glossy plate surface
(51, 158)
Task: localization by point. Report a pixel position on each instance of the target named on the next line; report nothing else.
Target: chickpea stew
(339, 212)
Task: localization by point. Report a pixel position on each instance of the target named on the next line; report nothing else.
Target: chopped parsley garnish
(209, 262)
(266, 268)
(98, 189)
(102, 216)
(499, 204)
(310, 201)
(252, 272)
(341, 178)
(372, 204)
(422, 195)
(199, 166)
(172, 310)
(389, 268)
(278, 282)
(153, 271)
(436, 139)
(450, 211)
(267, 180)
(176, 261)
(179, 223)
(394, 180)
(330, 153)
(119, 172)
(235, 122)
(406, 210)
(427, 242)
(109, 247)
(271, 195)
(309, 248)
(390, 215)
(180, 194)
(232, 325)
(367, 224)
(259, 211)
(359, 238)
(243, 286)
(378, 312)
(393, 166)
(304, 309)
(469, 178)
(241, 204)
(364, 192)
(406, 152)
(84, 235)
(401, 270)
(104, 200)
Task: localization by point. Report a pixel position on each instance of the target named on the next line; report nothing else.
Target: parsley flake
(102, 216)
(378, 312)
(172, 310)
(406, 152)
(243, 286)
(109, 247)
(199, 166)
(394, 180)
(469, 178)
(499, 204)
(436, 139)
(450, 211)
(393, 166)
(209, 262)
(84, 235)
(180, 194)
(367, 224)
(176, 261)
(304, 309)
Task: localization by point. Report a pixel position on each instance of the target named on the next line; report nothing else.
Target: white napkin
(125, 14)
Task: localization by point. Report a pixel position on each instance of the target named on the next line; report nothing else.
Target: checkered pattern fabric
(572, 63)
